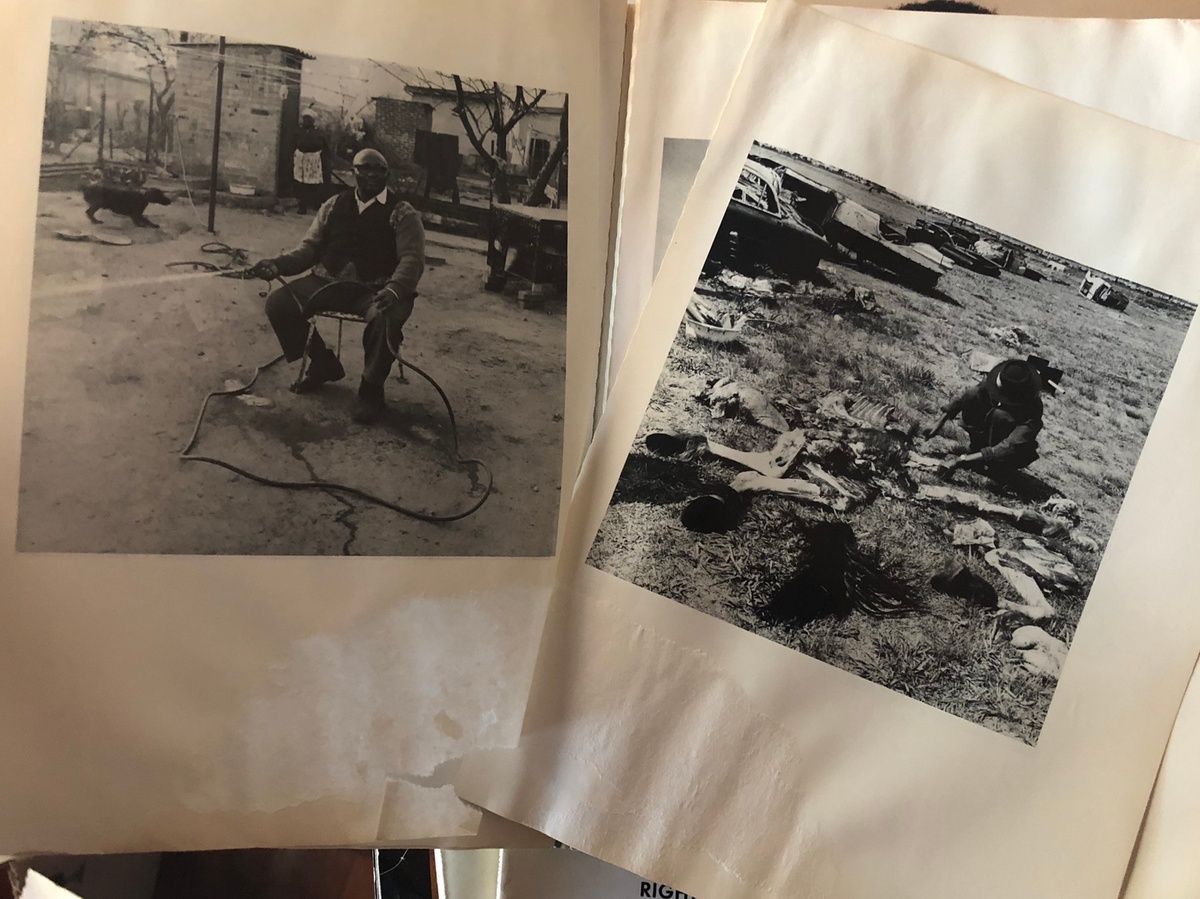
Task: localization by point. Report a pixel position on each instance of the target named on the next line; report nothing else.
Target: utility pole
(216, 146)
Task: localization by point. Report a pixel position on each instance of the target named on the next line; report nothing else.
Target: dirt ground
(911, 352)
(122, 350)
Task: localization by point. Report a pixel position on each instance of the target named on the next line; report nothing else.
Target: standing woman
(309, 164)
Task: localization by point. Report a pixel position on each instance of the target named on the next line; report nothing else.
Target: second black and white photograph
(289, 303)
(890, 438)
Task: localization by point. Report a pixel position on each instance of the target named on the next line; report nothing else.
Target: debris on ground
(733, 280)
(112, 240)
(703, 321)
(958, 580)
(714, 513)
(1025, 519)
(768, 287)
(836, 577)
(753, 482)
(859, 409)
(1061, 507)
(772, 463)
(852, 299)
(1035, 606)
(979, 361)
(988, 249)
(1013, 336)
(726, 398)
(863, 453)
(916, 460)
(1041, 652)
(686, 448)
(840, 496)
(1050, 568)
(249, 399)
(1083, 541)
(975, 533)
(853, 494)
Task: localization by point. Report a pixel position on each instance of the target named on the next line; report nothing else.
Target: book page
(682, 75)
(1164, 863)
(781, 668)
(195, 659)
(1121, 67)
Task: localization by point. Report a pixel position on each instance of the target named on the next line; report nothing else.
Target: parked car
(1096, 289)
(858, 229)
(953, 241)
(760, 229)
(812, 201)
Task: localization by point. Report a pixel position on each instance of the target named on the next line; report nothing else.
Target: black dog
(128, 201)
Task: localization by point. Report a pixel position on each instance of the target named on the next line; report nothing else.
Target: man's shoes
(322, 369)
(370, 406)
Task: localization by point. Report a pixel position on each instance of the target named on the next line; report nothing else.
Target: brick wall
(396, 125)
(260, 106)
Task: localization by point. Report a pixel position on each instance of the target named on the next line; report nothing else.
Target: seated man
(367, 235)
(1002, 415)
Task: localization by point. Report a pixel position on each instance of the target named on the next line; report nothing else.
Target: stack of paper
(841, 497)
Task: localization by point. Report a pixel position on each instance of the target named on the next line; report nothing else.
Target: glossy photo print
(288, 303)
(890, 438)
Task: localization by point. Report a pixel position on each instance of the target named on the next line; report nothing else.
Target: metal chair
(336, 293)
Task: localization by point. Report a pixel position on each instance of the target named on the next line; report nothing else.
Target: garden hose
(187, 455)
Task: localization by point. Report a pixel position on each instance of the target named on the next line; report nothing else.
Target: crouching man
(1002, 415)
(368, 235)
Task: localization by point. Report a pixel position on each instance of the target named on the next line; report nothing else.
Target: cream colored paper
(199, 702)
(1166, 864)
(688, 52)
(1137, 70)
(679, 747)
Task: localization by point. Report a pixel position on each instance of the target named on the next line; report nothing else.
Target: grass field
(911, 352)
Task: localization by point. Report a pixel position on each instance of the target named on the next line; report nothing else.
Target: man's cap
(1014, 381)
(366, 157)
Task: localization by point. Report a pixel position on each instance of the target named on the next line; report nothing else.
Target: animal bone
(1036, 607)
(688, 447)
(1061, 507)
(951, 497)
(774, 463)
(975, 533)
(1042, 653)
(857, 409)
(1083, 541)
(916, 460)
(1026, 519)
(726, 397)
(851, 493)
(752, 482)
(1043, 563)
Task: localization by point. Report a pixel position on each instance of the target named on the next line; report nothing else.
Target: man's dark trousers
(289, 308)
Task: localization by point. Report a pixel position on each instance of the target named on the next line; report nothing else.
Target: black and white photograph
(890, 438)
(286, 303)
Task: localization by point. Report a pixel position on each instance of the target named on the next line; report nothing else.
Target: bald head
(370, 173)
(369, 157)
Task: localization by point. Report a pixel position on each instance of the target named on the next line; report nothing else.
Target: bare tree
(151, 43)
(537, 194)
(500, 114)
